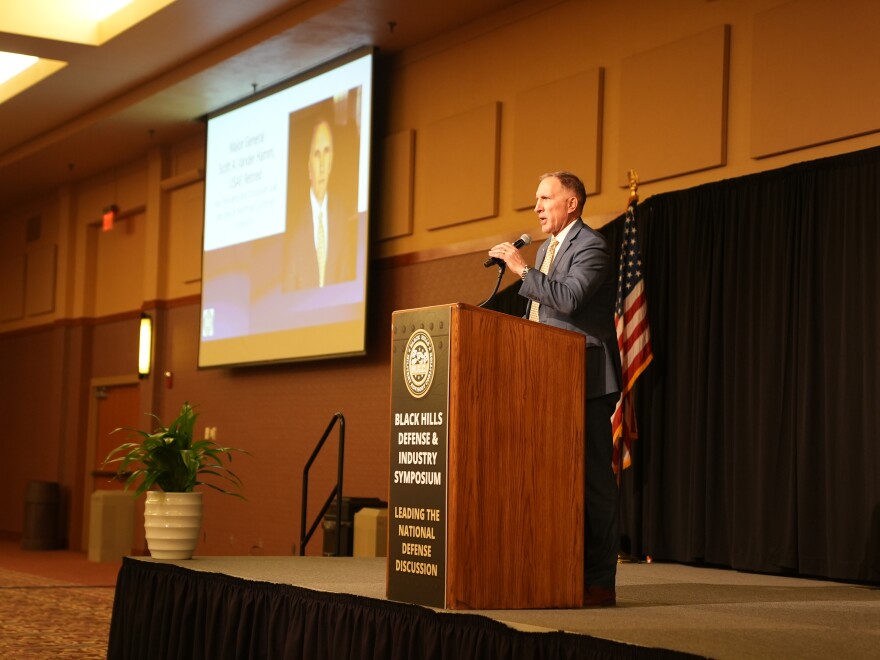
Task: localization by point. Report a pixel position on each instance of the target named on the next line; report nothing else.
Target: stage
(329, 607)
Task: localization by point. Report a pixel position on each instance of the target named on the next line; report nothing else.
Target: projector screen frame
(259, 303)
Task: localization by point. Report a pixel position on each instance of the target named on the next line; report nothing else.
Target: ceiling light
(40, 69)
(11, 64)
(90, 22)
(101, 9)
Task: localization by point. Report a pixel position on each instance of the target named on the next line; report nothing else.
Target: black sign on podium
(482, 515)
(419, 457)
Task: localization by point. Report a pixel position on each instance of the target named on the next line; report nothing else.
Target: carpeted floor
(54, 604)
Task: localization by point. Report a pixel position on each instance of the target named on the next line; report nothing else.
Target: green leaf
(171, 459)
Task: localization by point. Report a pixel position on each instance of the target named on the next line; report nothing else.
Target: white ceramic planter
(172, 522)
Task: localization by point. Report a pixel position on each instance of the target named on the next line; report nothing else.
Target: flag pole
(633, 200)
(617, 420)
(622, 557)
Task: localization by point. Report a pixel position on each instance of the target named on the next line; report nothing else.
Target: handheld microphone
(525, 239)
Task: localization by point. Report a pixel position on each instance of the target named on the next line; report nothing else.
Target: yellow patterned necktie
(545, 266)
(321, 247)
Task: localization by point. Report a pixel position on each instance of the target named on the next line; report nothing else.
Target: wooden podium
(487, 461)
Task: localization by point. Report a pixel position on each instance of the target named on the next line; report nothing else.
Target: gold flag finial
(633, 186)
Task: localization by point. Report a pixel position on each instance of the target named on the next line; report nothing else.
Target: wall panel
(673, 107)
(457, 168)
(41, 279)
(119, 266)
(396, 186)
(186, 208)
(569, 138)
(814, 74)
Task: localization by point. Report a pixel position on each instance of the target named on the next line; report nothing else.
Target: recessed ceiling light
(11, 64)
(101, 9)
(14, 82)
(90, 22)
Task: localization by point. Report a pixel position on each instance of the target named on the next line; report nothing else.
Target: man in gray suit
(575, 290)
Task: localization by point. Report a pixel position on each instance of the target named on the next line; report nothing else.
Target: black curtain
(161, 610)
(759, 418)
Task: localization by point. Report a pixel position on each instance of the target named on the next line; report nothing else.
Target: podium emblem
(419, 363)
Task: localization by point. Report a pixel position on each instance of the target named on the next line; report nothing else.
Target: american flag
(633, 339)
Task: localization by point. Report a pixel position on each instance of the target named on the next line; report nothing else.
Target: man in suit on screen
(322, 240)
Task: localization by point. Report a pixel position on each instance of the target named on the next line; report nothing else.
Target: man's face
(320, 159)
(554, 205)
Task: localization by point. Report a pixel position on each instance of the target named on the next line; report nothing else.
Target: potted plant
(169, 464)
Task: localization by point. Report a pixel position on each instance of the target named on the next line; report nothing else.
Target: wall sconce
(145, 346)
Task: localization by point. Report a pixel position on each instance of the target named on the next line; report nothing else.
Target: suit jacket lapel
(563, 248)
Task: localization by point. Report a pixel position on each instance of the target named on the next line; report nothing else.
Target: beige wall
(712, 89)
(658, 66)
(687, 93)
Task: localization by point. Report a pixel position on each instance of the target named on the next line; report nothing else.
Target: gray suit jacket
(578, 294)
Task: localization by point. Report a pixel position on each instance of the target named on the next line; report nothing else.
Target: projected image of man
(322, 243)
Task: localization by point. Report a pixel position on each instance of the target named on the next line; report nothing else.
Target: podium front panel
(419, 457)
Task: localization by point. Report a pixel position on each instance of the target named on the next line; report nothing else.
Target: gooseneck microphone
(525, 239)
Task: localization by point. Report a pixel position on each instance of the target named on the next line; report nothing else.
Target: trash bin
(41, 515)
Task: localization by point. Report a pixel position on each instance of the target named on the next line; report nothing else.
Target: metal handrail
(336, 492)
